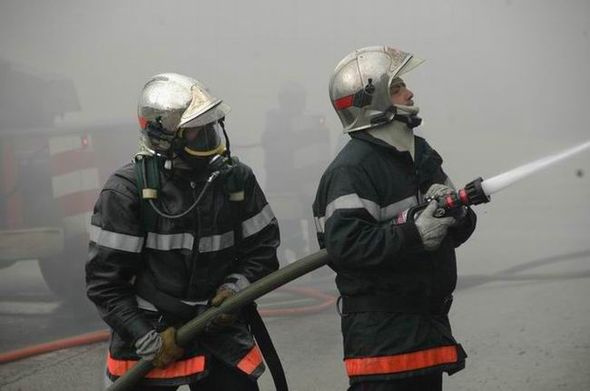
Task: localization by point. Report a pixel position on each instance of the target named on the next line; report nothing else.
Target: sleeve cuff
(411, 240)
(235, 282)
(137, 328)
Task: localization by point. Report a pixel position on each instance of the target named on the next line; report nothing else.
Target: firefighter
(395, 274)
(296, 147)
(183, 227)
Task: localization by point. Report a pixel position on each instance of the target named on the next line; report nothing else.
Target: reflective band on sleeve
(353, 201)
(257, 222)
(320, 224)
(180, 368)
(146, 305)
(251, 361)
(114, 240)
(208, 244)
(167, 242)
(392, 210)
(401, 362)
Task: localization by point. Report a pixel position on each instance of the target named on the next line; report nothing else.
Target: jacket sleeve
(348, 219)
(464, 228)
(258, 236)
(116, 242)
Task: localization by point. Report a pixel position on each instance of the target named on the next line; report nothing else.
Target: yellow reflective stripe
(219, 150)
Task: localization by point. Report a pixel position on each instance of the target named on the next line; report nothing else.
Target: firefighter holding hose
(395, 275)
(183, 227)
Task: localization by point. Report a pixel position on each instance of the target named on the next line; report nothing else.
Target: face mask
(189, 162)
(195, 146)
(200, 141)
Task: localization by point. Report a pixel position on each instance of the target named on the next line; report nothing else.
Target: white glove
(438, 190)
(148, 345)
(432, 229)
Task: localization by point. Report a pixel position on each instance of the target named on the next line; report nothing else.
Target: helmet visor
(412, 63)
(201, 140)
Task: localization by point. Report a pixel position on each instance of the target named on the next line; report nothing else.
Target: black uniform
(395, 295)
(185, 259)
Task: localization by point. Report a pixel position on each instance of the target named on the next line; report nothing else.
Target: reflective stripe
(391, 211)
(257, 222)
(401, 362)
(115, 240)
(169, 241)
(180, 368)
(251, 361)
(75, 181)
(216, 242)
(146, 305)
(353, 201)
(320, 224)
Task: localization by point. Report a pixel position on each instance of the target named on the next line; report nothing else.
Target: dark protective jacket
(399, 294)
(186, 258)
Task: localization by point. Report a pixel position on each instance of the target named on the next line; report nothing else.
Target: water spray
(479, 191)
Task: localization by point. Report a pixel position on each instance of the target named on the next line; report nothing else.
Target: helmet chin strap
(408, 115)
(398, 133)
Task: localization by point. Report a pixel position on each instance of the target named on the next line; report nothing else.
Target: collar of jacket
(426, 159)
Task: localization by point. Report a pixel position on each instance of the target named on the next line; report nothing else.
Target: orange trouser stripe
(401, 362)
(251, 361)
(180, 368)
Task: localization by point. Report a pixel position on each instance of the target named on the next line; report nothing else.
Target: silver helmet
(359, 86)
(169, 102)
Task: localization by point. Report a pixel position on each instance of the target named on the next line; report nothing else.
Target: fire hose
(322, 301)
(195, 326)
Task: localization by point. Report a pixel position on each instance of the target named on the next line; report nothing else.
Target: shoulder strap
(266, 347)
(147, 174)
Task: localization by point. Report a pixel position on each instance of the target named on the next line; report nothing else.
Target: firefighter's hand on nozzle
(438, 190)
(432, 229)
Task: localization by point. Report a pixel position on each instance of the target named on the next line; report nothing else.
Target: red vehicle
(49, 181)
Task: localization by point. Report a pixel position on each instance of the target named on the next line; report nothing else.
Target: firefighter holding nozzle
(183, 227)
(396, 275)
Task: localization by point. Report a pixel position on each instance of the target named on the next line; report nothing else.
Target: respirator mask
(200, 148)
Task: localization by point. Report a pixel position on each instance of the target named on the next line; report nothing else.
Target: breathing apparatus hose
(214, 175)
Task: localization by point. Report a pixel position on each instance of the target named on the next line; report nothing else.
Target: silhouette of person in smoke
(297, 150)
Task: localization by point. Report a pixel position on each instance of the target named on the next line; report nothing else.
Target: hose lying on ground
(324, 301)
